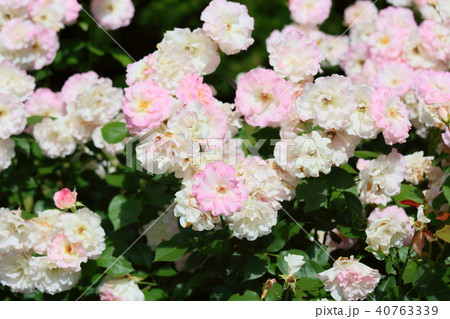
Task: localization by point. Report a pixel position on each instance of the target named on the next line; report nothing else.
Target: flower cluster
(76, 114)
(15, 87)
(395, 88)
(407, 63)
(28, 30)
(46, 252)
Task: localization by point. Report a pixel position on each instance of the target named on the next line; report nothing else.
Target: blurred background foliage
(219, 267)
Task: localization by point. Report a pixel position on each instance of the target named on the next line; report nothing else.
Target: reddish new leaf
(443, 216)
(409, 202)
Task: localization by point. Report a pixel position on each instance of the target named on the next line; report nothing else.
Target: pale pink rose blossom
(395, 75)
(218, 190)
(45, 102)
(47, 13)
(354, 60)
(436, 39)
(13, 116)
(140, 70)
(399, 17)
(293, 54)
(65, 253)
(381, 178)
(362, 164)
(329, 102)
(349, 279)
(389, 227)
(310, 11)
(387, 43)
(360, 12)
(192, 88)
(45, 47)
(390, 115)
(263, 98)
(229, 25)
(77, 84)
(16, 8)
(65, 199)
(113, 14)
(433, 86)
(146, 105)
(17, 34)
(73, 9)
(120, 289)
(392, 211)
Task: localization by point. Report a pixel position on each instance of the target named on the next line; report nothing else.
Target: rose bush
(224, 150)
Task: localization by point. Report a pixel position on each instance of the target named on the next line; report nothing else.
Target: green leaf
(114, 132)
(308, 284)
(439, 201)
(340, 178)
(409, 272)
(121, 57)
(349, 232)
(93, 49)
(124, 210)
(403, 253)
(277, 239)
(313, 191)
(349, 169)
(118, 267)
(22, 145)
(385, 288)
(83, 25)
(419, 274)
(255, 266)
(165, 271)
(34, 119)
(249, 295)
(381, 255)
(310, 270)
(141, 255)
(155, 294)
(446, 189)
(353, 203)
(274, 293)
(409, 192)
(366, 154)
(318, 253)
(170, 251)
(390, 268)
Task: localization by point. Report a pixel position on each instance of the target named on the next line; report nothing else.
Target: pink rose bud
(443, 113)
(65, 199)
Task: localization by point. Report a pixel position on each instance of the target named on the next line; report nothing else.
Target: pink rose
(218, 190)
(349, 279)
(65, 199)
(390, 115)
(263, 98)
(65, 253)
